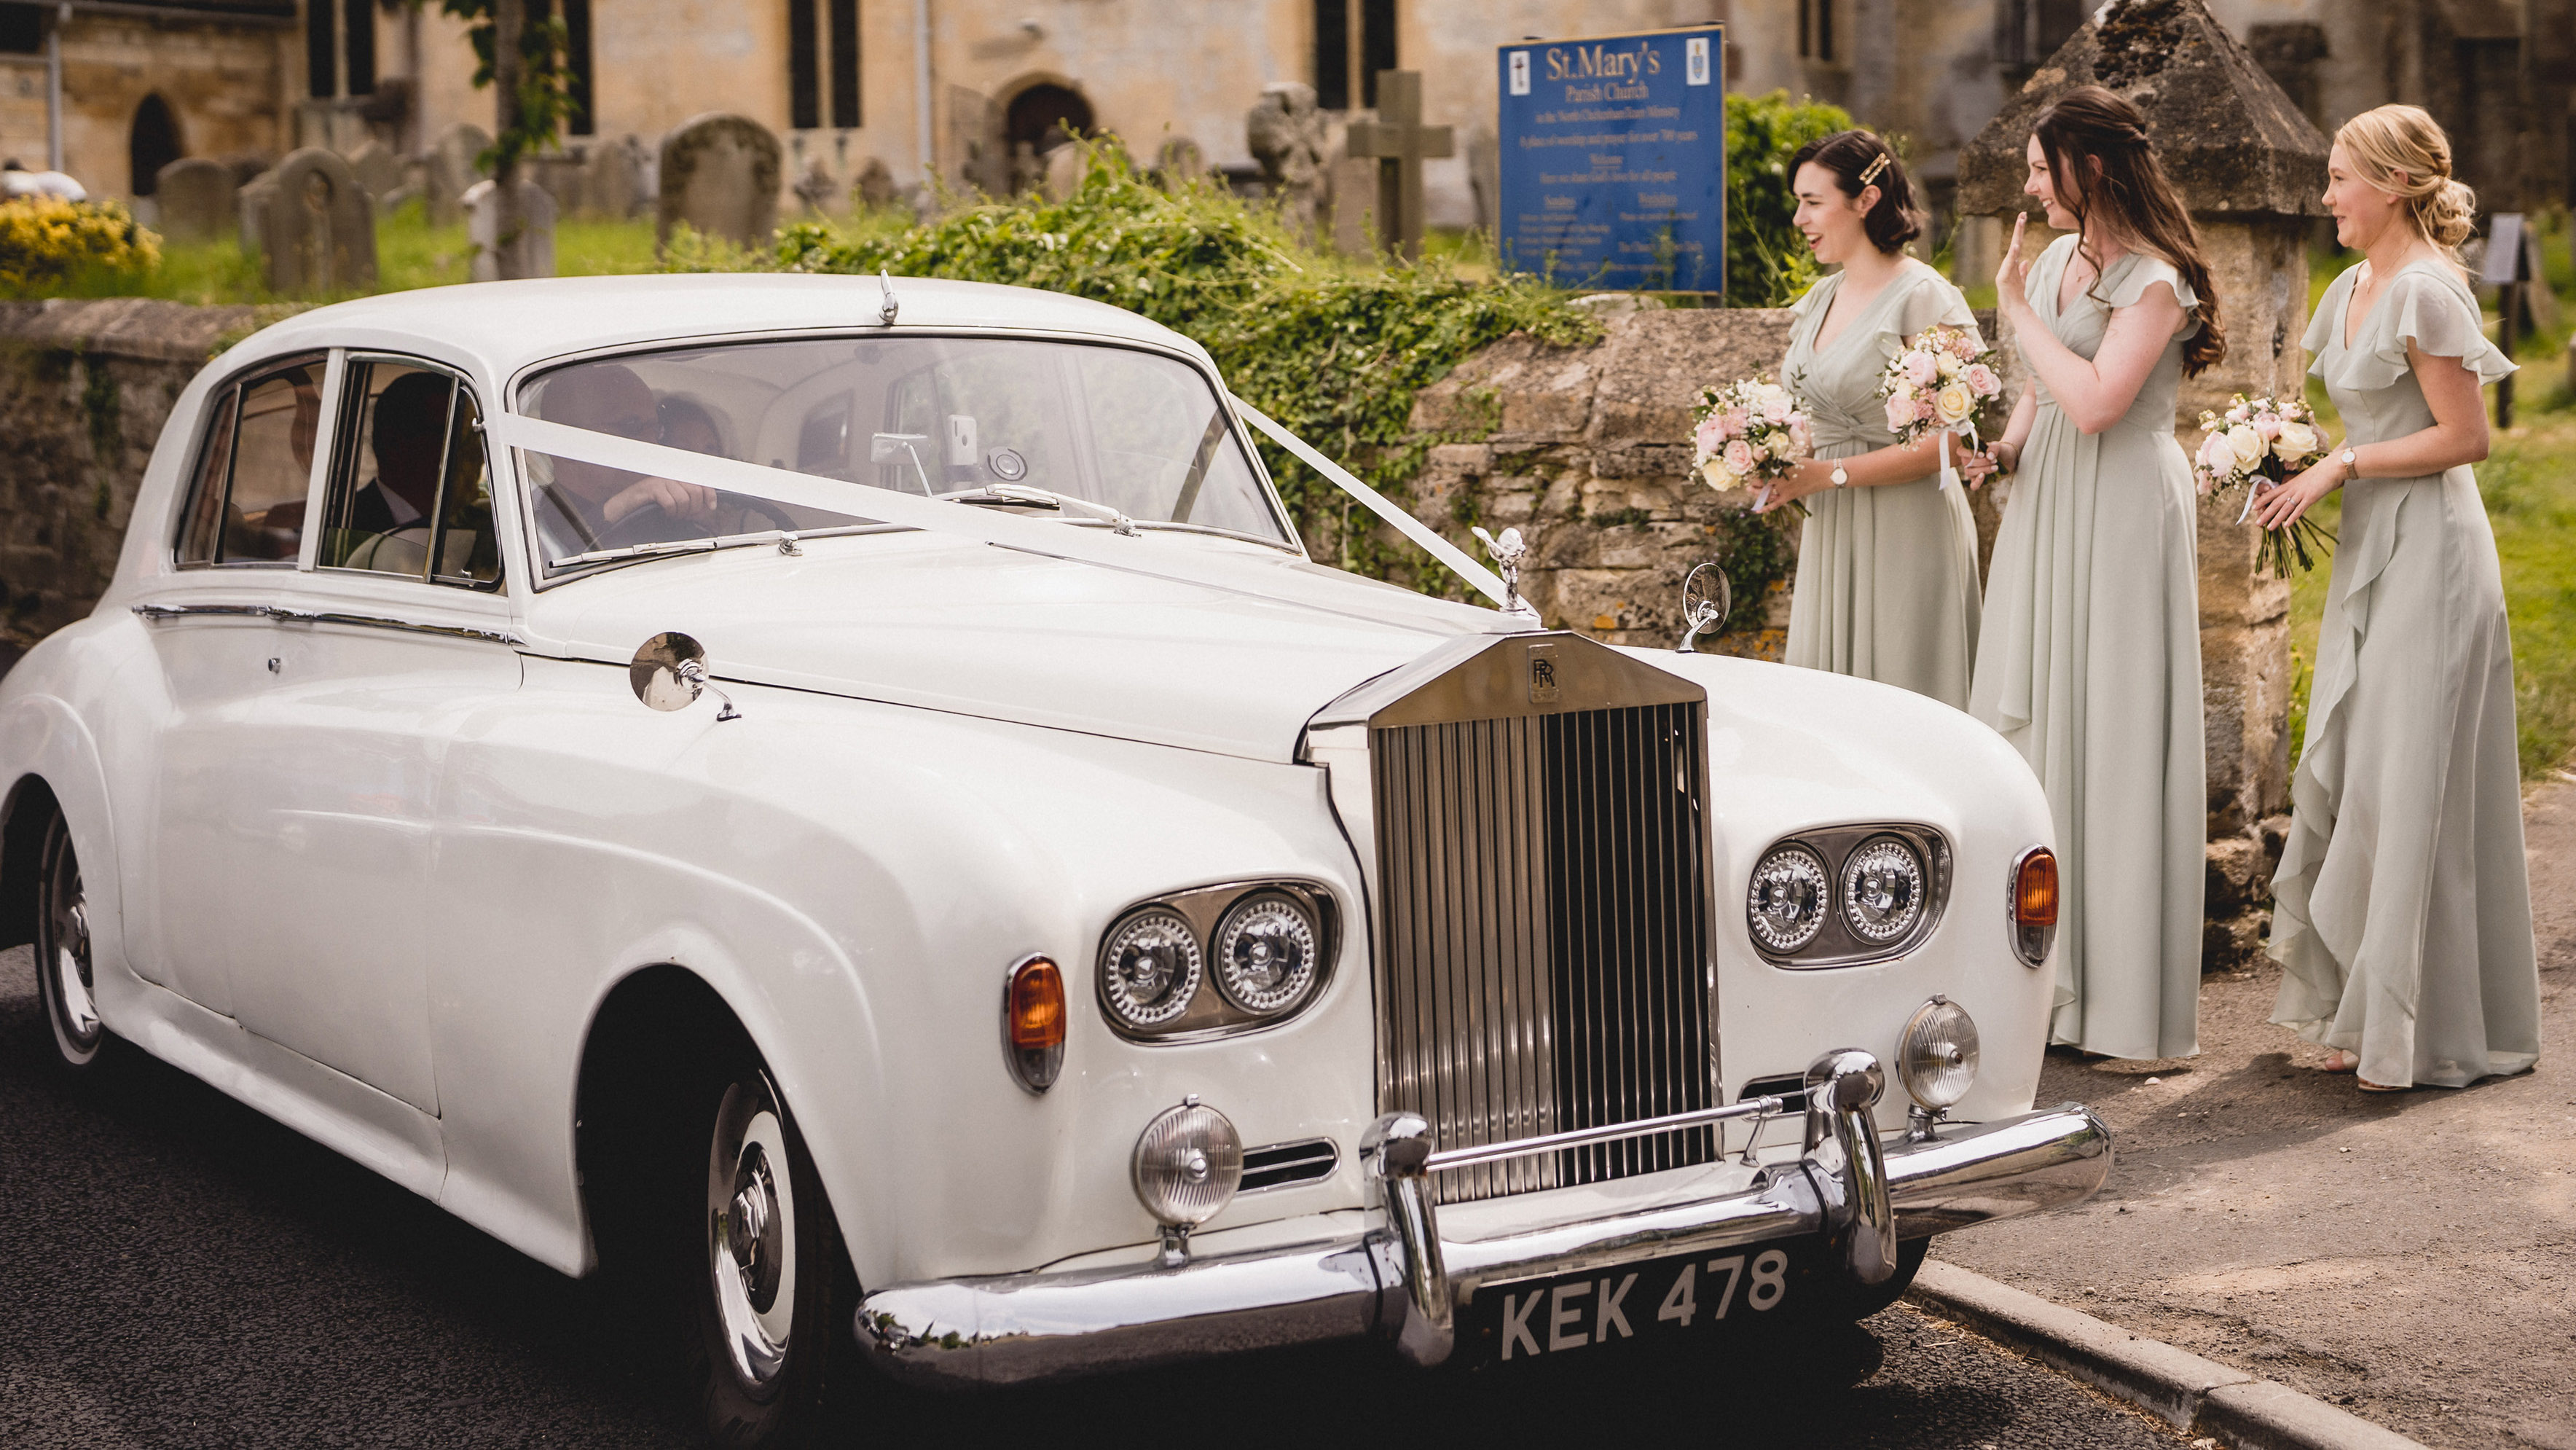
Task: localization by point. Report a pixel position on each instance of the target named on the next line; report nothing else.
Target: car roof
(507, 326)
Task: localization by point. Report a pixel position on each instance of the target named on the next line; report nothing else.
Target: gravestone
(1179, 161)
(2250, 167)
(529, 251)
(317, 226)
(250, 211)
(875, 186)
(377, 171)
(1285, 134)
(1400, 143)
(719, 175)
(565, 176)
(1485, 178)
(196, 195)
(816, 189)
(616, 184)
(453, 165)
(1065, 166)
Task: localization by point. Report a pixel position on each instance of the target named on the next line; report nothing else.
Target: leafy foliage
(545, 78)
(1767, 261)
(49, 246)
(1335, 350)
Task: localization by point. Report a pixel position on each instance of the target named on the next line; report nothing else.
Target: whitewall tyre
(66, 982)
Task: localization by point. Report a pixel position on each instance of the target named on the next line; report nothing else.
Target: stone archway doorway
(153, 143)
(1045, 116)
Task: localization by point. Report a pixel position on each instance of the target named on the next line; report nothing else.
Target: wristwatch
(1838, 476)
(2351, 466)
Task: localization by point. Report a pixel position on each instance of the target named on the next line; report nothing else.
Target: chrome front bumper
(1402, 1283)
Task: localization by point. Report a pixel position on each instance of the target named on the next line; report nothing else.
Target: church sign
(1614, 159)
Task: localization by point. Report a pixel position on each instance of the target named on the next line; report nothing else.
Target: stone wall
(84, 389)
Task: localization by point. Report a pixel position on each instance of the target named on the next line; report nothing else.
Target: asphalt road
(176, 1270)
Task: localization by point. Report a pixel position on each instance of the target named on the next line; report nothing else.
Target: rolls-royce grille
(1543, 936)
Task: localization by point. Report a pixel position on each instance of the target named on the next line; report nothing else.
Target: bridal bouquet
(2258, 444)
(1937, 385)
(1750, 430)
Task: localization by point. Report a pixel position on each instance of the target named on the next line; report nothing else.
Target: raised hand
(2012, 279)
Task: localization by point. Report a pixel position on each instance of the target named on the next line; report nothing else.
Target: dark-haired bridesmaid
(2089, 659)
(1887, 561)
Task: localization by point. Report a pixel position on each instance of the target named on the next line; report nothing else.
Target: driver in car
(590, 506)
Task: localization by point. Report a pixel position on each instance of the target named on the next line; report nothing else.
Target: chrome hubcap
(72, 976)
(64, 954)
(751, 1233)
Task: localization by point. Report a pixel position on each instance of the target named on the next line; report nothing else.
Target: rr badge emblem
(1542, 674)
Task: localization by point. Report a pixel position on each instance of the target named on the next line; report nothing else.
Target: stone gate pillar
(2251, 169)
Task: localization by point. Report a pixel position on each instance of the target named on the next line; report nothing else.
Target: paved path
(2411, 1257)
(181, 1272)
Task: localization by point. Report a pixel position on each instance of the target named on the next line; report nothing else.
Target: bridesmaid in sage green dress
(1887, 561)
(2402, 916)
(2089, 660)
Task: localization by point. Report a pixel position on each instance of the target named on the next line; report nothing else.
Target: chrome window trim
(279, 614)
(227, 394)
(1836, 945)
(518, 381)
(337, 408)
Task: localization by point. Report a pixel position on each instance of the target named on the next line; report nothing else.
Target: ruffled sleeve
(1930, 301)
(1814, 297)
(2134, 274)
(2438, 314)
(2322, 322)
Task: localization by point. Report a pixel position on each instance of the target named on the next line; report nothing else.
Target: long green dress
(2089, 663)
(2402, 915)
(1887, 576)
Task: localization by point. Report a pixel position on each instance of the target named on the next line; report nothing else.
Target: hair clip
(1870, 173)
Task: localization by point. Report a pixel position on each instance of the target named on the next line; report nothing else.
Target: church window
(22, 29)
(1377, 45)
(1333, 54)
(358, 43)
(576, 19)
(1816, 30)
(804, 108)
(2028, 32)
(321, 53)
(845, 62)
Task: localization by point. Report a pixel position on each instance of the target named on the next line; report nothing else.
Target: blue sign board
(1614, 160)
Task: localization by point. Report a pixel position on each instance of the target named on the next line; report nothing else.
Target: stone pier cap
(2229, 138)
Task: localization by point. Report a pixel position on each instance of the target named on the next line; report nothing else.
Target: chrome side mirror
(670, 672)
(1707, 599)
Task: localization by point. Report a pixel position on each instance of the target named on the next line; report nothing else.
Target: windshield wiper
(785, 539)
(1026, 495)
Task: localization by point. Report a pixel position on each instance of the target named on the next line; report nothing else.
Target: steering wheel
(752, 503)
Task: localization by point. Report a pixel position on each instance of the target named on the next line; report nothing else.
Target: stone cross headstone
(196, 195)
(817, 189)
(719, 175)
(875, 186)
(318, 226)
(2250, 167)
(529, 252)
(453, 166)
(1400, 143)
(377, 170)
(1285, 134)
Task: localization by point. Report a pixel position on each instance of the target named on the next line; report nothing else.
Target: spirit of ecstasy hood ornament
(1508, 551)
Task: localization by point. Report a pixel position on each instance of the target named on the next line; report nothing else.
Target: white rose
(1952, 403)
(1948, 366)
(2296, 442)
(2248, 445)
(1781, 445)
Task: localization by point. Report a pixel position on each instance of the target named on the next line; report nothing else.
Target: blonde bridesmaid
(2089, 658)
(1887, 560)
(2402, 916)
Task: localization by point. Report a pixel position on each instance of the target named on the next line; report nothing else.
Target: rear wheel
(65, 978)
(766, 1288)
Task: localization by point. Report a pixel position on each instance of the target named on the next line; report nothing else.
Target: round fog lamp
(1188, 1163)
(1937, 1057)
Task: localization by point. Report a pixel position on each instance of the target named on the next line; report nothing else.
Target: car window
(246, 504)
(409, 493)
(1003, 422)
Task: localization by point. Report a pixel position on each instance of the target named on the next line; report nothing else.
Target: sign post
(1614, 160)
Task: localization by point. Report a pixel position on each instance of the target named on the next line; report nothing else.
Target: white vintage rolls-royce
(846, 796)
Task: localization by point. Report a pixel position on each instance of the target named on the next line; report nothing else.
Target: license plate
(1657, 1299)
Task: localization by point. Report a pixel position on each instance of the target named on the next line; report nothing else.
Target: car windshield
(1082, 433)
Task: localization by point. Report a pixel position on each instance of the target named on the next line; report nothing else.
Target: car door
(395, 641)
(213, 637)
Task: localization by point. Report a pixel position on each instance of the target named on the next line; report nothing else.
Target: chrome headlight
(1266, 949)
(1883, 890)
(1188, 1163)
(1790, 896)
(1150, 968)
(1936, 1059)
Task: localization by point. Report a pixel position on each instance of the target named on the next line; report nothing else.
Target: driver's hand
(679, 500)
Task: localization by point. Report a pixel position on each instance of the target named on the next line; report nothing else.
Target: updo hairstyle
(2402, 151)
(1859, 160)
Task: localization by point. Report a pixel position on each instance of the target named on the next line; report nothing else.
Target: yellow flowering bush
(47, 244)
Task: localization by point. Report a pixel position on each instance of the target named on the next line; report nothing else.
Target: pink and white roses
(1748, 433)
(1938, 384)
(2257, 444)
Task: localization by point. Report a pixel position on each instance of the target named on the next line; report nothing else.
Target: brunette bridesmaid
(1887, 561)
(2402, 916)
(2089, 658)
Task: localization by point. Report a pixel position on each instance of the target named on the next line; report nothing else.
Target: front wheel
(65, 979)
(762, 1302)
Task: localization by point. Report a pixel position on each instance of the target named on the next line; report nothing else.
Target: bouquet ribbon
(1967, 428)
